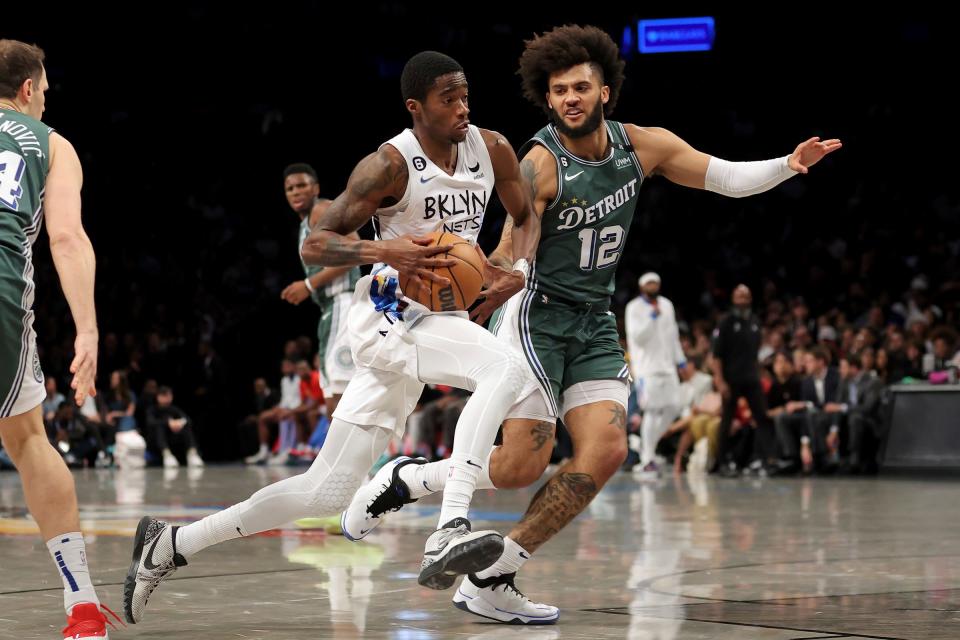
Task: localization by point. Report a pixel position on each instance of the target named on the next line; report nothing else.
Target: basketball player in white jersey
(437, 176)
(653, 341)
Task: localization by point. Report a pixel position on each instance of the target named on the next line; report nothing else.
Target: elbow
(312, 253)
(68, 242)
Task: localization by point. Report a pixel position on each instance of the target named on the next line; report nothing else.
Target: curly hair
(565, 47)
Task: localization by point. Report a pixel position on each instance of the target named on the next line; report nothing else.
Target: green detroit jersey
(24, 158)
(584, 230)
(344, 283)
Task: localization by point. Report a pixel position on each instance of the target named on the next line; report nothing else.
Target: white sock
(510, 562)
(70, 556)
(424, 479)
(462, 475)
(214, 529)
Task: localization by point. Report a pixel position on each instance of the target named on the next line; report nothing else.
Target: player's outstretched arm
(664, 153)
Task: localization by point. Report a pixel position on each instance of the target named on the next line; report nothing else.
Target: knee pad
(334, 493)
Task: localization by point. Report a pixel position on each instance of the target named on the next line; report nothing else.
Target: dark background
(184, 118)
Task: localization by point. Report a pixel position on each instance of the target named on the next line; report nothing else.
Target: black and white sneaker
(454, 550)
(155, 558)
(498, 598)
(384, 493)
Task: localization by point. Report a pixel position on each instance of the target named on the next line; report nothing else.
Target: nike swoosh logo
(382, 332)
(568, 177)
(148, 561)
(363, 532)
(474, 168)
(426, 180)
(474, 465)
(524, 556)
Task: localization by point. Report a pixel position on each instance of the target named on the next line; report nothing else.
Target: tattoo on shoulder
(529, 172)
(378, 174)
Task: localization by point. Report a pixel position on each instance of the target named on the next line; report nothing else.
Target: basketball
(466, 277)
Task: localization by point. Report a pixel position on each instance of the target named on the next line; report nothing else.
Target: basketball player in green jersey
(584, 173)
(331, 288)
(40, 176)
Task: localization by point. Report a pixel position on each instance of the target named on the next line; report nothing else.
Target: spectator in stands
(173, 431)
(121, 404)
(737, 374)
(51, 403)
(78, 439)
(289, 400)
(862, 397)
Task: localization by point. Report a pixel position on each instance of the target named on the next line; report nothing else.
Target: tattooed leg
(599, 448)
(525, 453)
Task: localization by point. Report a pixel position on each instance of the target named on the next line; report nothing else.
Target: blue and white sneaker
(386, 492)
(497, 598)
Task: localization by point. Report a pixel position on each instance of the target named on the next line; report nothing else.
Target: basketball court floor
(749, 559)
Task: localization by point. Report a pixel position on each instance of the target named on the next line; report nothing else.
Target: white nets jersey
(435, 200)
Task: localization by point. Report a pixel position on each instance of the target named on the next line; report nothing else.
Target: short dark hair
(164, 390)
(820, 353)
(422, 71)
(18, 62)
(300, 167)
(565, 47)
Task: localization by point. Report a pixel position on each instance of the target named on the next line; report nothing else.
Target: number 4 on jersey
(11, 172)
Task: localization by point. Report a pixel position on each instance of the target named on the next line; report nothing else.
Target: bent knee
(520, 476)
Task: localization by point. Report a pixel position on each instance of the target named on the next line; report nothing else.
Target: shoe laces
(103, 608)
(448, 534)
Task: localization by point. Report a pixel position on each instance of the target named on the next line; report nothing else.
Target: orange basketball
(466, 277)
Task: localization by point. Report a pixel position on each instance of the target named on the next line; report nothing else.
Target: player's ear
(604, 94)
(413, 106)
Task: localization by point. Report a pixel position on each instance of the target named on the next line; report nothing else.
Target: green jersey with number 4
(584, 230)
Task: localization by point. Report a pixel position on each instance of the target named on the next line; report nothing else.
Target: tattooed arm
(379, 176)
(538, 179)
(517, 187)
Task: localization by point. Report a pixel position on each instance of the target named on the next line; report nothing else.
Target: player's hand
(295, 293)
(501, 285)
(416, 258)
(811, 152)
(84, 366)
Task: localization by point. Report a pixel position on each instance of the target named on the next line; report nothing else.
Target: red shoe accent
(86, 620)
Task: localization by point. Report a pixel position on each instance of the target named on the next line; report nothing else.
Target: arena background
(184, 118)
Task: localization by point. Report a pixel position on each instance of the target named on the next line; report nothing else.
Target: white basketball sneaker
(155, 558)
(385, 493)
(454, 550)
(497, 598)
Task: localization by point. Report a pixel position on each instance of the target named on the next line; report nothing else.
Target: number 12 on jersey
(607, 253)
(11, 172)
